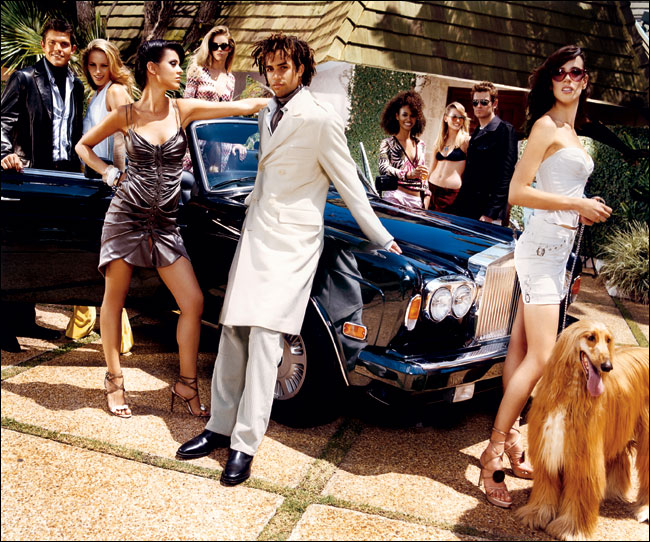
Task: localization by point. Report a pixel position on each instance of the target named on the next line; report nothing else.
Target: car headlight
(440, 304)
(453, 295)
(462, 299)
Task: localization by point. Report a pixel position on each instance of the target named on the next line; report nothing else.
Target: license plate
(463, 393)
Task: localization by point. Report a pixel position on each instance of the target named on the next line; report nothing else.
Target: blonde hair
(119, 73)
(463, 134)
(203, 57)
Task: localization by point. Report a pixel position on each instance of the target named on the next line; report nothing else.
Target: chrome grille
(494, 271)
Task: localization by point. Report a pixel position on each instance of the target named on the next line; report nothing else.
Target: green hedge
(623, 184)
(369, 91)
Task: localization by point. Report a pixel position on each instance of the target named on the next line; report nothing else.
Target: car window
(228, 152)
(224, 163)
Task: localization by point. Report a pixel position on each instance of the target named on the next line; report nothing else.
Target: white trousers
(243, 383)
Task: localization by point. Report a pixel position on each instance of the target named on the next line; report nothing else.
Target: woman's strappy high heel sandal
(517, 459)
(496, 475)
(121, 411)
(192, 384)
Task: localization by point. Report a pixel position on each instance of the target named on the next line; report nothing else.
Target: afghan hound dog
(589, 412)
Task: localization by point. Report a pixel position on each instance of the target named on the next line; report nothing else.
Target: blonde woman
(112, 82)
(209, 78)
(450, 157)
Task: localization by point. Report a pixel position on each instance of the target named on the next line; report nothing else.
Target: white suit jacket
(282, 238)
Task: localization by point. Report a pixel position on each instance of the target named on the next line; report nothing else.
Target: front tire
(309, 387)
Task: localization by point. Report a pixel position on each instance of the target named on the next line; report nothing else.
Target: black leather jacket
(27, 117)
(491, 159)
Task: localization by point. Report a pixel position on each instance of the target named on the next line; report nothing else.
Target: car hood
(432, 238)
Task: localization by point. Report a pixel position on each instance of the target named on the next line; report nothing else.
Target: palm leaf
(21, 26)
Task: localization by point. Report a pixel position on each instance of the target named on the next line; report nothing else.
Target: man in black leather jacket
(36, 132)
(42, 119)
(491, 159)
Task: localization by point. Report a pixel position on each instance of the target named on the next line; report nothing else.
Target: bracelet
(111, 175)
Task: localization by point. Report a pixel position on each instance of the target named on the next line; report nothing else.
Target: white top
(565, 173)
(94, 115)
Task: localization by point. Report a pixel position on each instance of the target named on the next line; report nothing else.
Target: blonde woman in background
(450, 158)
(209, 78)
(113, 83)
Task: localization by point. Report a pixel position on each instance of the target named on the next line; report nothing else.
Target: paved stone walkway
(72, 471)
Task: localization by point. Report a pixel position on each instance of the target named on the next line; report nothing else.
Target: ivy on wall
(621, 183)
(369, 91)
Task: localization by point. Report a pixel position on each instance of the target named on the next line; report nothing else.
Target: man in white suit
(302, 149)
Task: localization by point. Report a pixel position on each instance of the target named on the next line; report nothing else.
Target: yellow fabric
(82, 323)
(127, 334)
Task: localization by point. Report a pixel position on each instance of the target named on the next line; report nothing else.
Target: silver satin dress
(145, 205)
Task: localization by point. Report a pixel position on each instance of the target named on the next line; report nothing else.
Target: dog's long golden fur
(589, 410)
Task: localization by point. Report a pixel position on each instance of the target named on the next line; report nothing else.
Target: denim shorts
(541, 255)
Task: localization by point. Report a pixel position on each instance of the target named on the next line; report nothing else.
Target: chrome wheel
(292, 368)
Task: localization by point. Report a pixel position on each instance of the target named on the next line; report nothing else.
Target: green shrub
(625, 256)
(623, 184)
(369, 91)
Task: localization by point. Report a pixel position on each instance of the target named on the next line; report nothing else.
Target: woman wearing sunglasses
(557, 161)
(449, 158)
(209, 78)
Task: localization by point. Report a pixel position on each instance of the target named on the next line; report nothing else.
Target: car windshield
(229, 153)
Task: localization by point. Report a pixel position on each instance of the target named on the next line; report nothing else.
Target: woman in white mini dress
(556, 160)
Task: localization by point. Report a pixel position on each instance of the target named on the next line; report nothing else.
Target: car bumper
(418, 374)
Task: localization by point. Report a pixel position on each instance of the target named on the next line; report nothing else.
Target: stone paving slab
(610, 316)
(66, 394)
(592, 291)
(433, 474)
(51, 491)
(321, 522)
(49, 316)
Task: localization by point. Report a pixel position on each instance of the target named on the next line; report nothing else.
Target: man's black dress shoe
(202, 445)
(238, 468)
(9, 343)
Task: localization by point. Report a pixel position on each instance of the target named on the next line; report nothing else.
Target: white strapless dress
(542, 251)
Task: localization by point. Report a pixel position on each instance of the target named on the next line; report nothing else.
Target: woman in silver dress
(140, 225)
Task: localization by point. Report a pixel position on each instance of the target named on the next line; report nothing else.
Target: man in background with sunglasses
(491, 158)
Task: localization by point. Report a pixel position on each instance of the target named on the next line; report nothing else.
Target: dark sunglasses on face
(576, 74)
(223, 46)
(483, 102)
(456, 117)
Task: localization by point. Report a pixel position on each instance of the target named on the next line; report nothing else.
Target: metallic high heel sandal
(496, 475)
(109, 379)
(192, 384)
(517, 459)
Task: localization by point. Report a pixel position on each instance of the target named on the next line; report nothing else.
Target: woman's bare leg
(118, 279)
(181, 281)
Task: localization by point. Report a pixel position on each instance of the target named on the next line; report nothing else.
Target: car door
(51, 230)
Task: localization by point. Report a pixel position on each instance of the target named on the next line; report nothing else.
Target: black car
(432, 323)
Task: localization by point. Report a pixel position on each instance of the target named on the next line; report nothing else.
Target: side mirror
(385, 182)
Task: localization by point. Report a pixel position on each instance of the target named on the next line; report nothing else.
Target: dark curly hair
(153, 51)
(293, 47)
(411, 98)
(540, 96)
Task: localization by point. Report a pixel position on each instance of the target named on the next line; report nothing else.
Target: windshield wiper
(230, 183)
